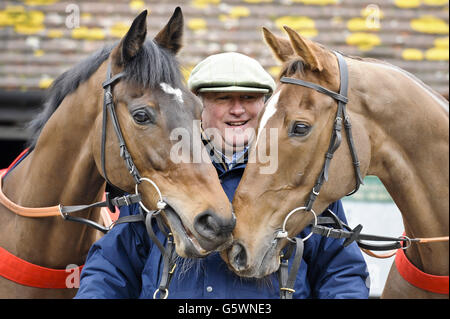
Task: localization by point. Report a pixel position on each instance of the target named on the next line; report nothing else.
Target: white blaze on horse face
(170, 90)
(270, 110)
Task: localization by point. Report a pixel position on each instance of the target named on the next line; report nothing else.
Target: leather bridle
(145, 215)
(109, 108)
(335, 141)
(336, 228)
(336, 138)
(287, 280)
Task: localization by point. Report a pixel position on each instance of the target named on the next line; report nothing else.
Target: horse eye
(300, 129)
(142, 117)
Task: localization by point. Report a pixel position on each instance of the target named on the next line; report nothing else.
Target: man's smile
(237, 123)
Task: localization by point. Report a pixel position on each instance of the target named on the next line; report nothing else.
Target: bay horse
(400, 134)
(66, 165)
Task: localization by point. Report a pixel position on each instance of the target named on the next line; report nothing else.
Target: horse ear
(307, 49)
(171, 36)
(132, 41)
(281, 48)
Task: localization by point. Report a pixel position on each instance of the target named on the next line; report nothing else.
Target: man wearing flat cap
(232, 87)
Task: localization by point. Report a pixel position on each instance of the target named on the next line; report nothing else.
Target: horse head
(301, 121)
(153, 104)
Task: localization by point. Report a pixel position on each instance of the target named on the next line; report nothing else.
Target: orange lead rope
(17, 209)
(416, 240)
(412, 274)
(24, 272)
(26, 211)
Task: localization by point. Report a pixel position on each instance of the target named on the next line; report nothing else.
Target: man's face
(234, 114)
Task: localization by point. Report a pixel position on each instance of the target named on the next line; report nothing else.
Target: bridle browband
(336, 137)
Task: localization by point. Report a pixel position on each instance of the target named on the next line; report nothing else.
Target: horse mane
(442, 97)
(297, 65)
(151, 66)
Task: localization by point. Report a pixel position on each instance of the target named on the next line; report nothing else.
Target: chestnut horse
(65, 164)
(400, 134)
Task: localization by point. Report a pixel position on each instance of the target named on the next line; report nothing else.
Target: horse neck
(60, 169)
(408, 127)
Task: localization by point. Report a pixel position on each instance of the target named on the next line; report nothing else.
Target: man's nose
(237, 108)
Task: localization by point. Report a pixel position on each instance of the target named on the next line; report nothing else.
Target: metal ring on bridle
(109, 94)
(283, 233)
(165, 291)
(161, 204)
(408, 242)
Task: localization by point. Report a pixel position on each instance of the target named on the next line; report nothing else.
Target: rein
(342, 230)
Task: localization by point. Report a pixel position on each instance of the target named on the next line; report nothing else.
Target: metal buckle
(126, 199)
(315, 193)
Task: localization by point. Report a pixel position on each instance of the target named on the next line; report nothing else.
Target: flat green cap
(230, 72)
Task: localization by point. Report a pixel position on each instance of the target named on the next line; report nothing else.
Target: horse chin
(186, 245)
(263, 264)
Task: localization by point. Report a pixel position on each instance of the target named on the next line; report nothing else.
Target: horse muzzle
(210, 233)
(215, 232)
(265, 261)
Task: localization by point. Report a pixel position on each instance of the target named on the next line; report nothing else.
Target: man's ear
(307, 49)
(131, 43)
(281, 48)
(171, 36)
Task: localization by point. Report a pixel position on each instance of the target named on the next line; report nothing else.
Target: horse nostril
(238, 257)
(211, 226)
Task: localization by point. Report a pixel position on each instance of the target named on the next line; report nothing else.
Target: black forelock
(153, 65)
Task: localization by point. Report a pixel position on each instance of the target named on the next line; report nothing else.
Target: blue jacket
(126, 264)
